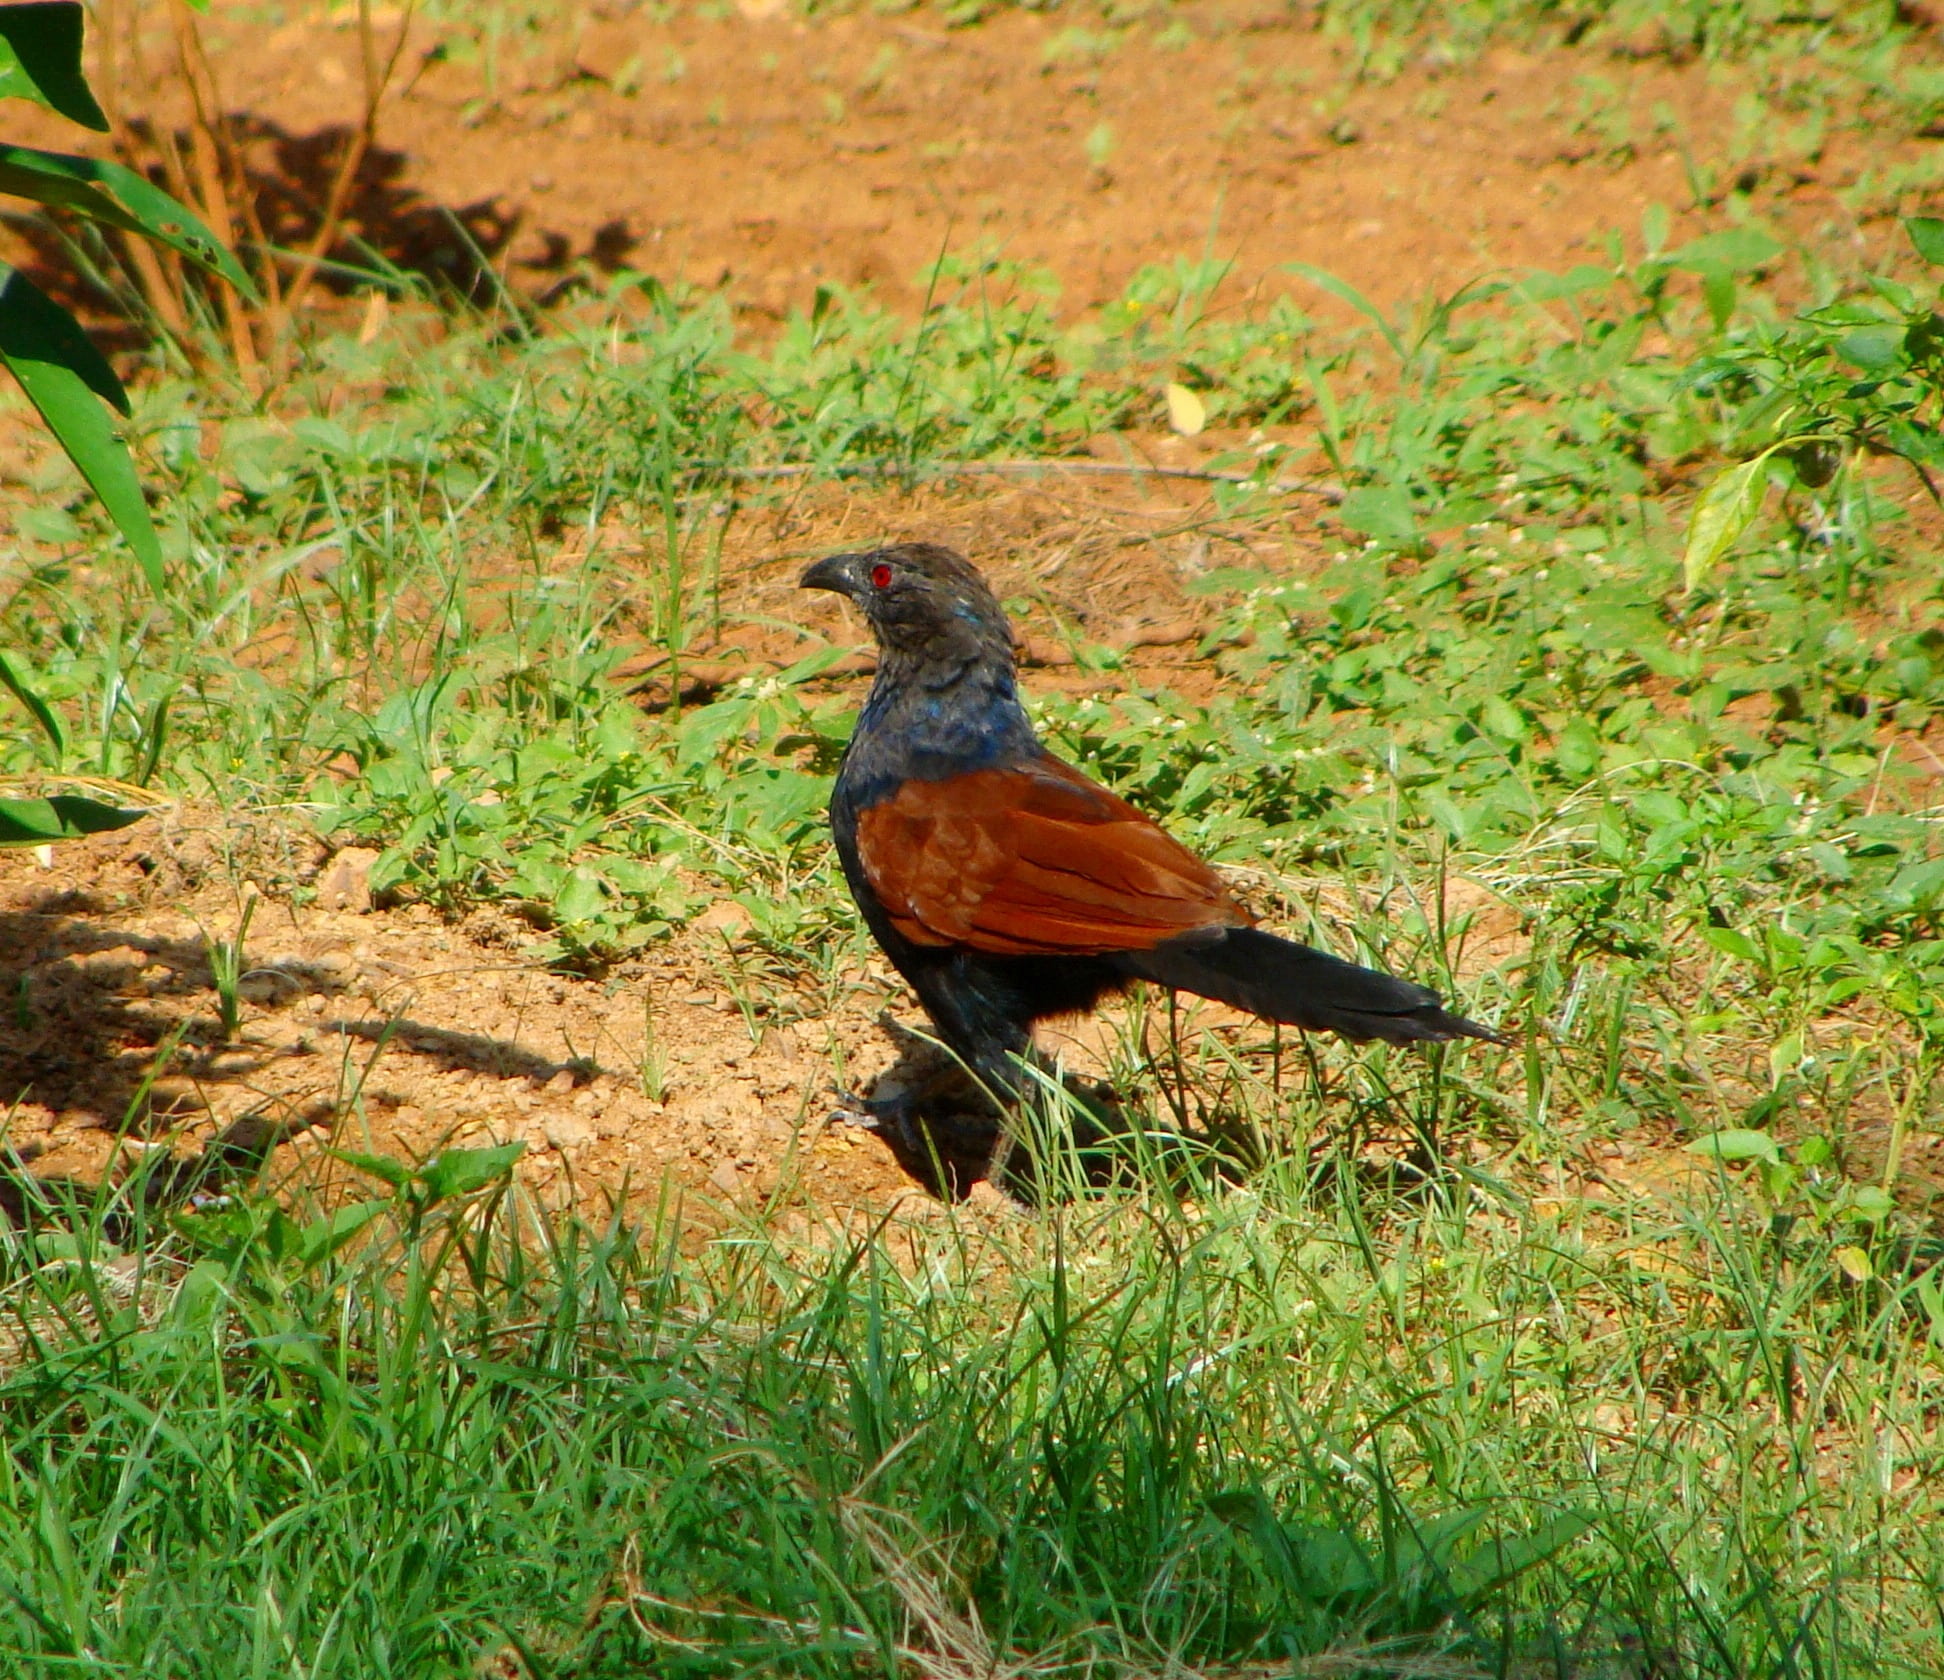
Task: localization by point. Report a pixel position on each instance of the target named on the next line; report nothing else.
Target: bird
(1006, 886)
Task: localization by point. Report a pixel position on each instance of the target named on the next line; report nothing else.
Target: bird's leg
(940, 1091)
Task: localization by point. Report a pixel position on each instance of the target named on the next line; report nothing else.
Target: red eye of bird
(880, 576)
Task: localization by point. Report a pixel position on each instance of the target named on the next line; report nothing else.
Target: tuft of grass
(653, 1066)
(226, 969)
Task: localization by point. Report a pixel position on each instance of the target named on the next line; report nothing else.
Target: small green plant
(226, 969)
(438, 1184)
(652, 1067)
(1860, 376)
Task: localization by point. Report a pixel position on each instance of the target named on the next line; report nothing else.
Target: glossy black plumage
(1007, 887)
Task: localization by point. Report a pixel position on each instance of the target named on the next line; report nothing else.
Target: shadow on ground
(388, 231)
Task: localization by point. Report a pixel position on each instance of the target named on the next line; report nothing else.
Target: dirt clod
(346, 883)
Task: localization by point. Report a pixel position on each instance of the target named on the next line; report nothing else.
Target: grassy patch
(1255, 1427)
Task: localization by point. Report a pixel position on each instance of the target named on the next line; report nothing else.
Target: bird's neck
(925, 720)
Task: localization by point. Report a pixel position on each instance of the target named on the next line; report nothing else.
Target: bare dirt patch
(392, 1031)
(767, 155)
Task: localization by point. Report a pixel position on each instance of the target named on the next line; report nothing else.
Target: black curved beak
(841, 574)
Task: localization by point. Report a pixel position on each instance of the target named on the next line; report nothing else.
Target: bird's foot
(894, 1116)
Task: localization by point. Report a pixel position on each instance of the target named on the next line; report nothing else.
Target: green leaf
(1722, 512)
(1737, 1144)
(1927, 234)
(40, 59)
(1873, 349)
(1502, 1559)
(43, 714)
(1577, 749)
(381, 1167)
(1729, 251)
(1357, 301)
(1655, 221)
(109, 193)
(1733, 943)
(66, 816)
(579, 897)
(459, 1172)
(1853, 1263)
(1383, 513)
(1542, 286)
(392, 867)
(322, 1238)
(1916, 885)
(50, 331)
(63, 375)
(1872, 1202)
(1718, 292)
(1503, 719)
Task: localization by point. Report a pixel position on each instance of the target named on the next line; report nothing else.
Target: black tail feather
(1283, 981)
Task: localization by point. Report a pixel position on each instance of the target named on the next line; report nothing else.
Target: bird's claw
(887, 1116)
(853, 1108)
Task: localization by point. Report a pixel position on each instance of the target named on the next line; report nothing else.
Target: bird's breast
(909, 733)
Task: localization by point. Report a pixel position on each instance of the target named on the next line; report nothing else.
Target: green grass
(1240, 1431)
(1262, 1400)
(1258, 1427)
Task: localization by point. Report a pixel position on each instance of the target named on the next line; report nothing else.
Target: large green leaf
(395, 1173)
(50, 332)
(66, 379)
(66, 816)
(1380, 512)
(1927, 235)
(121, 198)
(40, 59)
(459, 1172)
(1737, 1143)
(1722, 512)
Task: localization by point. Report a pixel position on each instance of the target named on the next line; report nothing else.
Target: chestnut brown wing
(1033, 860)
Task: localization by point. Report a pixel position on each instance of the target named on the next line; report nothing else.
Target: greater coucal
(1007, 887)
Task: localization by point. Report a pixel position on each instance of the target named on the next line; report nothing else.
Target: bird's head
(922, 601)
